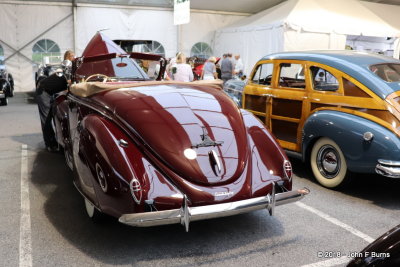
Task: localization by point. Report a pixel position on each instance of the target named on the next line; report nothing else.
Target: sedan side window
(263, 74)
(292, 76)
(323, 80)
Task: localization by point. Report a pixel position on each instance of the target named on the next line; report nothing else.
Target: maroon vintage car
(162, 152)
(383, 252)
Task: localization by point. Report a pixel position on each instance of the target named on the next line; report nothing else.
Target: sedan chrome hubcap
(328, 161)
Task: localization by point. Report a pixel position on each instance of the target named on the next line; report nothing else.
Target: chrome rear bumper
(388, 168)
(186, 214)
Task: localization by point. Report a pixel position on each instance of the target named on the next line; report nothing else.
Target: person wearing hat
(209, 71)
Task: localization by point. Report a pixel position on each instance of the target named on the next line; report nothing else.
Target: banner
(181, 12)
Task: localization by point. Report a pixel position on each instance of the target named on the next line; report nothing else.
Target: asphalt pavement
(43, 222)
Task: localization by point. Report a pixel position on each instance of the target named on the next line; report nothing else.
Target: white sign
(181, 12)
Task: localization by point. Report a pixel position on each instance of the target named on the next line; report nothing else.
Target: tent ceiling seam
(34, 3)
(206, 11)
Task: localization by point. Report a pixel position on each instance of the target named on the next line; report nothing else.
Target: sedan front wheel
(328, 163)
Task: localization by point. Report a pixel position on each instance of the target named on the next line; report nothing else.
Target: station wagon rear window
(388, 72)
(323, 80)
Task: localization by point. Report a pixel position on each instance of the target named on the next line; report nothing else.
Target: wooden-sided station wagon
(338, 109)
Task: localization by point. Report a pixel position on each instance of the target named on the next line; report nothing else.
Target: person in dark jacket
(45, 92)
(226, 68)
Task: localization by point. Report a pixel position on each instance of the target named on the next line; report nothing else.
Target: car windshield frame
(110, 67)
(382, 71)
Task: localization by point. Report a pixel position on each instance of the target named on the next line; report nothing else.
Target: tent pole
(179, 38)
(74, 9)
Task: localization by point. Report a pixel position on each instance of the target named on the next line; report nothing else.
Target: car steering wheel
(99, 75)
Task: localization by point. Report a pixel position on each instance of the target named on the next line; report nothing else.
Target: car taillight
(136, 190)
(287, 169)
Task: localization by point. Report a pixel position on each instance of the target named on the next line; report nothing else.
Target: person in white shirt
(209, 70)
(182, 71)
(238, 67)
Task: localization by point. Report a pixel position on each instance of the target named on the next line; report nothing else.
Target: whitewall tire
(328, 163)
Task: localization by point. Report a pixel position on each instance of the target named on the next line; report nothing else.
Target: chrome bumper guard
(186, 214)
(388, 168)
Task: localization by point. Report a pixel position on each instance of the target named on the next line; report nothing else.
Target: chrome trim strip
(186, 214)
(391, 172)
(389, 162)
(388, 168)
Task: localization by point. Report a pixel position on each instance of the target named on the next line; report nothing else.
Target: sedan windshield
(388, 72)
(118, 68)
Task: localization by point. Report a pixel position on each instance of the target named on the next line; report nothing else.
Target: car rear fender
(132, 183)
(267, 157)
(347, 130)
(60, 113)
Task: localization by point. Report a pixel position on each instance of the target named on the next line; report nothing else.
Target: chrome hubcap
(328, 161)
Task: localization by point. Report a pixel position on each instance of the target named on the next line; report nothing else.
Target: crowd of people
(227, 68)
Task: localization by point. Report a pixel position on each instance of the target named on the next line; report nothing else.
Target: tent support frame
(18, 51)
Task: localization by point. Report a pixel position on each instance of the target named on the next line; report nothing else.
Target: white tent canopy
(300, 25)
(28, 24)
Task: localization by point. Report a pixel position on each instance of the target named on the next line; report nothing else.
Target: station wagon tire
(328, 163)
(94, 214)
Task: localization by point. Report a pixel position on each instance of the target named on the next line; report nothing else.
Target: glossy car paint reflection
(180, 114)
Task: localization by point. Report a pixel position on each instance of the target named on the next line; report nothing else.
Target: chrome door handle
(268, 95)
